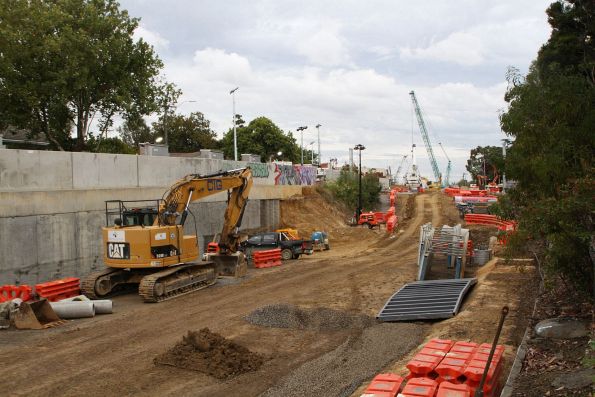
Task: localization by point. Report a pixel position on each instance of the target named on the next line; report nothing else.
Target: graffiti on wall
(294, 174)
(281, 174)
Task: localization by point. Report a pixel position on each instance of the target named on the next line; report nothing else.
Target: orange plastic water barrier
(391, 223)
(447, 389)
(268, 258)
(428, 358)
(10, 292)
(456, 360)
(387, 384)
(420, 387)
(59, 289)
(475, 367)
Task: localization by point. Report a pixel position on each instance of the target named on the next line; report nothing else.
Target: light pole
(301, 129)
(318, 129)
(165, 127)
(233, 119)
(312, 151)
(359, 148)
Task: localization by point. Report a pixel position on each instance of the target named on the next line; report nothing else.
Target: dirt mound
(212, 354)
(289, 316)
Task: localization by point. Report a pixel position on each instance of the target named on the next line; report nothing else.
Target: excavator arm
(195, 187)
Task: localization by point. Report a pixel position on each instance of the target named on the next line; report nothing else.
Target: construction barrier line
(10, 292)
(267, 258)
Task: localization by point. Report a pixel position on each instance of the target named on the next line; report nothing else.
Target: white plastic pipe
(75, 309)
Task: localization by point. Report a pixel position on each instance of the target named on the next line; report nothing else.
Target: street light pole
(301, 130)
(312, 151)
(318, 129)
(233, 120)
(359, 148)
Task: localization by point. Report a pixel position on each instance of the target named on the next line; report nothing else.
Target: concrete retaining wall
(52, 204)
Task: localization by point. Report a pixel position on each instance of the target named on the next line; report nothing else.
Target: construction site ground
(114, 354)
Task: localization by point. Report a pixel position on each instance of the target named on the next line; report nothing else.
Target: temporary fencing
(10, 292)
(268, 258)
(58, 289)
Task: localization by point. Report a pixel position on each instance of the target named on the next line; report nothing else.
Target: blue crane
(426, 138)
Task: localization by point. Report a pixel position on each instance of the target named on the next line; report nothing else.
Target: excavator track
(89, 283)
(177, 281)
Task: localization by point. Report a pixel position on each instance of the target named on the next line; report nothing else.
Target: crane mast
(426, 138)
(448, 166)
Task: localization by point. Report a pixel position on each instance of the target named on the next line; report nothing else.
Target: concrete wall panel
(35, 170)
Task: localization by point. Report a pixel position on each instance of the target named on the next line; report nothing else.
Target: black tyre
(286, 254)
(327, 247)
(296, 256)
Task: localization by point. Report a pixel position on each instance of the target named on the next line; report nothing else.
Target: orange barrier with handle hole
(10, 292)
(387, 384)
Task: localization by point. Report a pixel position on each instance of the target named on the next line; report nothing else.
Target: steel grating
(426, 300)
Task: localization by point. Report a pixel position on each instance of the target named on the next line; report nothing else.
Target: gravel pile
(341, 371)
(289, 316)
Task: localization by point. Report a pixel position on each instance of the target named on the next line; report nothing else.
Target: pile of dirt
(212, 354)
(321, 319)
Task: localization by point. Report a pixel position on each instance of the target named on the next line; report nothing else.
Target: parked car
(290, 249)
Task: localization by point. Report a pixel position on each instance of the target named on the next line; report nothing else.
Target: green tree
(486, 160)
(346, 189)
(261, 136)
(65, 63)
(551, 117)
(135, 130)
(109, 145)
(186, 134)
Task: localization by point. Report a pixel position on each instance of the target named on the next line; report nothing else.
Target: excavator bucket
(230, 265)
(35, 315)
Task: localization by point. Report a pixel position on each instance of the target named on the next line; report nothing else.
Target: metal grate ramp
(426, 300)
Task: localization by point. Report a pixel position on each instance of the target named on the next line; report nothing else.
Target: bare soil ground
(114, 354)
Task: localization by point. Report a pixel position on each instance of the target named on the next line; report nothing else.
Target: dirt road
(113, 354)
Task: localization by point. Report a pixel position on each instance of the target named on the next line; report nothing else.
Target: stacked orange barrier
(447, 389)
(10, 292)
(268, 258)
(58, 289)
(505, 228)
(452, 367)
(384, 385)
(428, 358)
(476, 366)
(391, 223)
(393, 197)
(456, 367)
(389, 213)
(420, 387)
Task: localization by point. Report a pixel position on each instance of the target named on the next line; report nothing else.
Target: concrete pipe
(75, 309)
(103, 306)
(75, 298)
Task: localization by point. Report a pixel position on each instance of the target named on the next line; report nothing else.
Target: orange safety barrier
(391, 223)
(447, 389)
(10, 292)
(428, 358)
(505, 227)
(420, 387)
(492, 387)
(454, 363)
(475, 367)
(59, 289)
(387, 384)
(268, 258)
(389, 213)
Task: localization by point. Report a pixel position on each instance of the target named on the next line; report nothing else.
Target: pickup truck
(290, 249)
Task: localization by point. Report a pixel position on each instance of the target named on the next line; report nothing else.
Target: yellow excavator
(146, 245)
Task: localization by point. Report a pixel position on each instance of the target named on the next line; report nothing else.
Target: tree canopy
(551, 118)
(486, 160)
(186, 134)
(263, 137)
(346, 189)
(67, 63)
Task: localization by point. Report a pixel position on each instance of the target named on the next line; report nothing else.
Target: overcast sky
(349, 66)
